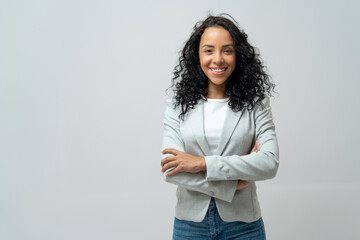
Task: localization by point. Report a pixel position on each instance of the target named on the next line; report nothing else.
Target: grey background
(82, 97)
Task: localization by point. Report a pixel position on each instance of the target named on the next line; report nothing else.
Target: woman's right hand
(241, 183)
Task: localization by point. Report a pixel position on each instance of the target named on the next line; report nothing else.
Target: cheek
(232, 61)
(204, 61)
(204, 65)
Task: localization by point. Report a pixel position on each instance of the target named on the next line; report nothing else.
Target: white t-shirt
(214, 118)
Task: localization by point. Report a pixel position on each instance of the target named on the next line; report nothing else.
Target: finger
(171, 151)
(169, 165)
(257, 146)
(242, 184)
(172, 172)
(167, 160)
(254, 149)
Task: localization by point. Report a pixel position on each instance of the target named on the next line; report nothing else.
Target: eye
(228, 51)
(208, 51)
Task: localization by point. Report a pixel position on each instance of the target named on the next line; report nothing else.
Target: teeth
(218, 70)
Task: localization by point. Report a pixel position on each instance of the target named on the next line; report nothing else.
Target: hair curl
(246, 86)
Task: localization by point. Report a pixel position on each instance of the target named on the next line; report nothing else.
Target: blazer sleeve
(224, 190)
(255, 166)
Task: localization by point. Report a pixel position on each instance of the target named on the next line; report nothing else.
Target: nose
(218, 59)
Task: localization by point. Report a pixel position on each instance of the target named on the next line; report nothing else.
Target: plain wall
(82, 98)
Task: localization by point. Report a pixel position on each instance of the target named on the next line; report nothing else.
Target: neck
(216, 92)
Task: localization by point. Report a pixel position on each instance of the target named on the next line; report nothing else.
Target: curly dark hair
(247, 85)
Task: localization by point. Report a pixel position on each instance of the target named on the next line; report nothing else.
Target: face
(217, 56)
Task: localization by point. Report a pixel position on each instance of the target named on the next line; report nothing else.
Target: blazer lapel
(231, 121)
(197, 124)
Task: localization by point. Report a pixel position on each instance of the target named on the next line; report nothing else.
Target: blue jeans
(214, 228)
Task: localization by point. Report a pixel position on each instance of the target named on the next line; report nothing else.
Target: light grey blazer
(231, 162)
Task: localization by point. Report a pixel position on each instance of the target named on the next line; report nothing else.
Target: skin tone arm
(184, 162)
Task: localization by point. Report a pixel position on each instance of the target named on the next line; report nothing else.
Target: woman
(219, 137)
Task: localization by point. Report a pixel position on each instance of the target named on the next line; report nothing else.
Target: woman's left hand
(182, 162)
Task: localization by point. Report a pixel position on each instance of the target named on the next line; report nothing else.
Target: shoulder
(261, 107)
(170, 101)
(264, 103)
(172, 111)
(171, 104)
(175, 110)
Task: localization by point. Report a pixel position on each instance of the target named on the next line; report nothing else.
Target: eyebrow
(211, 46)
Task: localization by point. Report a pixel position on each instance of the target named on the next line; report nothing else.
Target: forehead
(216, 35)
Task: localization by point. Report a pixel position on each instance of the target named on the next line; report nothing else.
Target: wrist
(203, 164)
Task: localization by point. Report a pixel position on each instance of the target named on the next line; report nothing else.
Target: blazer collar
(196, 120)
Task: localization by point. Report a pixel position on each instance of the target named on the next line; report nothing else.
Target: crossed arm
(219, 176)
(184, 162)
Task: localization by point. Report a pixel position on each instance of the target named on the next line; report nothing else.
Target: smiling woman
(219, 137)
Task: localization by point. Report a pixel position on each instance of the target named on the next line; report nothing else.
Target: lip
(218, 73)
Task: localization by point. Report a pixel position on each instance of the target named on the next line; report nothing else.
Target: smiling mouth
(218, 70)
